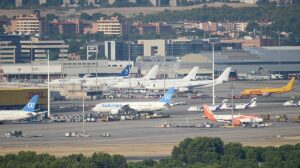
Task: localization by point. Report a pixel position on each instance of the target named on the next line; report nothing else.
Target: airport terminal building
(283, 60)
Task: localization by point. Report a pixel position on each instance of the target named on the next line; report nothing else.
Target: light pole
(49, 114)
(83, 113)
(213, 73)
(129, 65)
(19, 70)
(31, 58)
(279, 53)
(164, 75)
(232, 88)
(97, 69)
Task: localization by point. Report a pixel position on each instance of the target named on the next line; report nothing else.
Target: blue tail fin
(126, 71)
(31, 104)
(168, 96)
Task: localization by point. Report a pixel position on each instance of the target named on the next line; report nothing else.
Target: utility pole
(232, 88)
(49, 114)
(83, 113)
(213, 73)
(19, 70)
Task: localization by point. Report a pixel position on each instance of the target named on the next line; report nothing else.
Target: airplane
(221, 106)
(269, 91)
(26, 112)
(147, 106)
(244, 106)
(140, 84)
(235, 119)
(184, 85)
(88, 79)
(291, 103)
(124, 82)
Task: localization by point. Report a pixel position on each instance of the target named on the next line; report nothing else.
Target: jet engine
(183, 89)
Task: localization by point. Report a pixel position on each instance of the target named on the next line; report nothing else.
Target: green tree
(85, 16)
(235, 150)
(51, 17)
(119, 161)
(1, 29)
(252, 25)
(97, 16)
(102, 160)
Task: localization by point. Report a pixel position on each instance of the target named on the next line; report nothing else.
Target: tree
(102, 160)
(97, 16)
(119, 161)
(235, 150)
(252, 25)
(1, 29)
(85, 16)
(51, 17)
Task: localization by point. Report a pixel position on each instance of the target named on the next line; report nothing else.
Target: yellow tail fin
(290, 85)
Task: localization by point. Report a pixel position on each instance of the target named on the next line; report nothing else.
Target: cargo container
(17, 98)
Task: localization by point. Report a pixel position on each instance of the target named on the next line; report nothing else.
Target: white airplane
(221, 106)
(140, 84)
(123, 82)
(184, 85)
(26, 112)
(117, 107)
(244, 106)
(88, 79)
(235, 119)
(291, 103)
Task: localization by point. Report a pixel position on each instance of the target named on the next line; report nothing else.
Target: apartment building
(28, 24)
(112, 26)
(69, 26)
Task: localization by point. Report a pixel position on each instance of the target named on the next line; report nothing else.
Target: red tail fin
(208, 113)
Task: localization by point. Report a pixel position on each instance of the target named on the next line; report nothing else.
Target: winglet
(168, 96)
(31, 104)
(192, 74)
(126, 71)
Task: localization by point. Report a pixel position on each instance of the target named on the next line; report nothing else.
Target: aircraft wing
(41, 112)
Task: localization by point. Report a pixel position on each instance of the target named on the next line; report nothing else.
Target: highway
(144, 138)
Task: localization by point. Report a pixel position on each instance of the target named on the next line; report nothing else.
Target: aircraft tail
(223, 105)
(31, 104)
(152, 73)
(224, 76)
(290, 85)
(168, 96)
(192, 74)
(252, 103)
(125, 71)
(208, 113)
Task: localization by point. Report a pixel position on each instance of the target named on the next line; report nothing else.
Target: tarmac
(140, 139)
